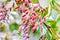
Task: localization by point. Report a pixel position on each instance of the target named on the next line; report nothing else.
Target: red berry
(34, 17)
(21, 9)
(3, 5)
(29, 1)
(23, 18)
(17, 7)
(34, 28)
(25, 10)
(18, 1)
(25, 4)
(44, 19)
(32, 23)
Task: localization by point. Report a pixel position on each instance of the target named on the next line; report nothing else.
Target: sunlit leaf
(34, 1)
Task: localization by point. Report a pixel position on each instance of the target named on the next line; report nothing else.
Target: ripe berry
(34, 28)
(24, 18)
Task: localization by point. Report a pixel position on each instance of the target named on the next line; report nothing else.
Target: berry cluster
(3, 13)
(30, 17)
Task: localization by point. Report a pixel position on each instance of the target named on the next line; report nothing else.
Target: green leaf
(54, 6)
(54, 34)
(49, 11)
(34, 1)
(14, 26)
(48, 36)
(7, 1)
(38, 32)
(53, 28)
(19, 33)
(52, 23)
(45, 13)
(41, 14)
(15, 0)
(53, 2)
(20, 3)
(58, 19)
(36, 11)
